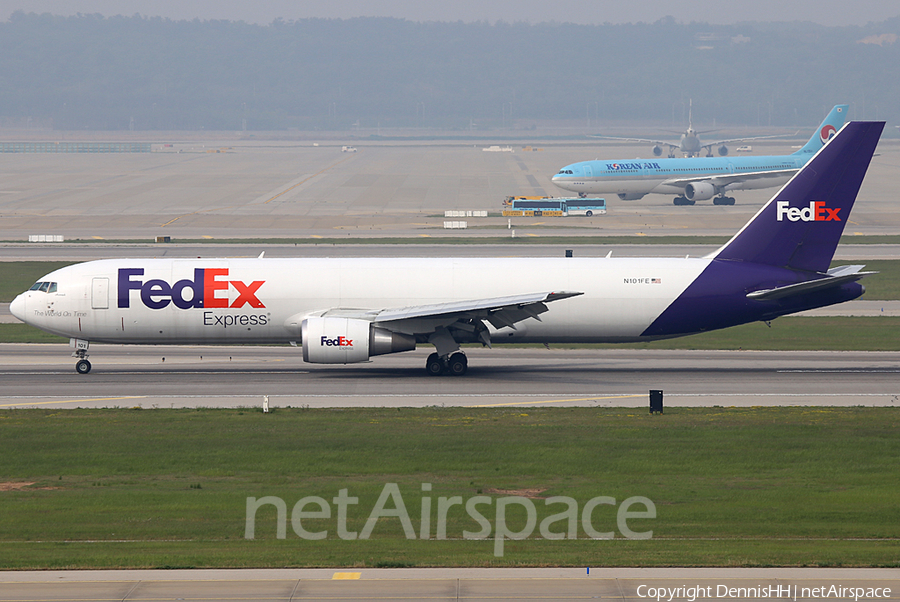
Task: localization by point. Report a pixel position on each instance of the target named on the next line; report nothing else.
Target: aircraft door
(588, 171)
(100, 293)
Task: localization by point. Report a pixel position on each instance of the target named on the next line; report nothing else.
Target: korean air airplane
(347, 310)
(694, 178)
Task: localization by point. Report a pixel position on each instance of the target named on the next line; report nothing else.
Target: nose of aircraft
(17, 307)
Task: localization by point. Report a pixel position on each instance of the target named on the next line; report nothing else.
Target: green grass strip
(116, 488)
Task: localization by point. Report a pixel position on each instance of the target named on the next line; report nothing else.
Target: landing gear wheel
(458, 364)
(434, 365)
(82, 366)
(682, 200)
(723, 200)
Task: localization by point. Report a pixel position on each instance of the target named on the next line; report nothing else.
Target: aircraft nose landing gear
(454, 365)
(82, 366)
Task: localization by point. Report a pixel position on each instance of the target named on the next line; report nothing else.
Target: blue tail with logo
(800, 227)
(834, 121)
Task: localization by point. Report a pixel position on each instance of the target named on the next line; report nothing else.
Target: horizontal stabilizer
(836, 277)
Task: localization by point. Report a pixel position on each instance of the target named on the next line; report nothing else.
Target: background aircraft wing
(711, 144)
(671, 145)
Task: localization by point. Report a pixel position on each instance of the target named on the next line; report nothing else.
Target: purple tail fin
(799, 228)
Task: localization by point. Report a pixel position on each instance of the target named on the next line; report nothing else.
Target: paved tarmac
(174, 377)
(386, 189)
(452, 584)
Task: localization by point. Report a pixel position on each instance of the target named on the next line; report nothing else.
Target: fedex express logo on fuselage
(815, 212)
(205, 288)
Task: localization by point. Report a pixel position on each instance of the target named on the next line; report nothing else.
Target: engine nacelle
(631, 196)
(699, 191)
(657, 151)
(334, 340)
(723, 150)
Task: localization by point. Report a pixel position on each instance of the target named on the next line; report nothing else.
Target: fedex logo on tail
(205, 288)
(815, 212)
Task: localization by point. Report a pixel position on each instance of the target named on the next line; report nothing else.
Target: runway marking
(307, 179)
(524, 403)
(839, 371)
(303, 181)
(346, 576)
(40, 403)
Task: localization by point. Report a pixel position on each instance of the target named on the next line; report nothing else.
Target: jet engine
(335, 340)
(657, 151)
(723, 150)
(631, 196)
(699, 191)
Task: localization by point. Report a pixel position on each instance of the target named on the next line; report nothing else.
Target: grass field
(168, 488)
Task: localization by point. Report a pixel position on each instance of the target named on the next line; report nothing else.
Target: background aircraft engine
(699, 191)
(723, 150)
(631, 196)
(333, 340)
(657, 151)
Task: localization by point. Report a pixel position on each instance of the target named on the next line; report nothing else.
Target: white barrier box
(468, 213)
(45, 238)
(455, 225)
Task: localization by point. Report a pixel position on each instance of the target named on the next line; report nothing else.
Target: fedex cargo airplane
(694, 178)
(347, 310)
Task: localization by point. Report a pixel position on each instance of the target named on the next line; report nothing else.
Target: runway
(174, 377)
(448, 584)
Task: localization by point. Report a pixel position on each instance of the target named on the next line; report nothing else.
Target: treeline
(91, 72)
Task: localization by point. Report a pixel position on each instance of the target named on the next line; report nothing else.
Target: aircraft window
(52, 288)
(36, 286)
(44, 287)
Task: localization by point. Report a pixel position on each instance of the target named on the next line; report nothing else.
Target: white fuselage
(97, 301)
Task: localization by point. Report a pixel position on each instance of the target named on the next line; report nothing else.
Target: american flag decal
(655, 281)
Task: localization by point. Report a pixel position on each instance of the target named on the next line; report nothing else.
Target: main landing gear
(683, 200)
(723, 200)
(455, 365)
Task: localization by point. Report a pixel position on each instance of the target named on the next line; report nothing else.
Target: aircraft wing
(726, 179)
(711, 144)
(671, 145)
(834, 277)
(531, 305)
(458, 321)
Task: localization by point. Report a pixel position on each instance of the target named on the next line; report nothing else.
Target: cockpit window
(44, 287)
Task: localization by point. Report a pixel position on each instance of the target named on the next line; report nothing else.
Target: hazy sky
(825, 12)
